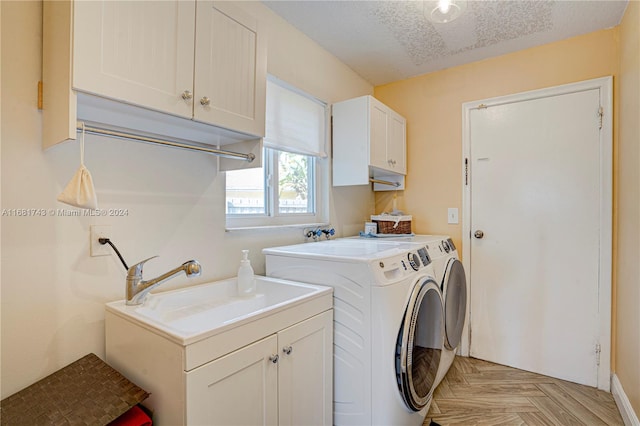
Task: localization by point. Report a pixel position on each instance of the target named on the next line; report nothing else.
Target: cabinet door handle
(287, 350)
(187, 95)
(204, 101)
(274, 358)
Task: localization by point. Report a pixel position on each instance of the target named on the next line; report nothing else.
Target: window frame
(319, 188)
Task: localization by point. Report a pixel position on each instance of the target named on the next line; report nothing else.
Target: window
(291, 186)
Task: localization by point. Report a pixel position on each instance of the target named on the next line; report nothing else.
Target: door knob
(205, 101)
(274, 358)
(478, 234)
(187, 95)
(287, 350)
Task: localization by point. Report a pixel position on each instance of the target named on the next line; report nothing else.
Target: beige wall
(627, 298)
(432, 104)
(53, 293)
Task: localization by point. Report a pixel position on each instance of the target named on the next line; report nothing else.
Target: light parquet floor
(477, 392)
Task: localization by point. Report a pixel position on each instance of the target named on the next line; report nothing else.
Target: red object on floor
(134, 417)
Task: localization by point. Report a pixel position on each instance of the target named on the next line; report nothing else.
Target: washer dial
(414, 261)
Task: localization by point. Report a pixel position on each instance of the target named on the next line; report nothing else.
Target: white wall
(52, 291)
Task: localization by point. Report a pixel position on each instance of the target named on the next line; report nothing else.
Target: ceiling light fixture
(444, 11)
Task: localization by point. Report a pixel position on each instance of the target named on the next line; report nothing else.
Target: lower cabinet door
(305, 372)
(238, 389)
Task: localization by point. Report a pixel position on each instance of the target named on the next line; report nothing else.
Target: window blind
(295, 122)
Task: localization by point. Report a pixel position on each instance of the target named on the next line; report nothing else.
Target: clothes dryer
(450, 274)
(388, 324)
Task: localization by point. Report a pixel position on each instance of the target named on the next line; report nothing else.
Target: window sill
(276, 227)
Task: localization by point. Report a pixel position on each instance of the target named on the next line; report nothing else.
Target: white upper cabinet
(134, 51)
(369, 141)
(378, 135)
(397, 142)
(230, 70)
(184, 70)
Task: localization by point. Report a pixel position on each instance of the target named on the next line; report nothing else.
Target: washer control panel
(402, 265)
(450, 242)
(417, 260)
(424, 255)
(441, 247)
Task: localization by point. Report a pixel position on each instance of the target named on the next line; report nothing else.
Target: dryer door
(419, 345)
(454, 288)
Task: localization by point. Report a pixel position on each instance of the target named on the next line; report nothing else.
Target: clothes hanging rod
(385, 182)
(130, 136)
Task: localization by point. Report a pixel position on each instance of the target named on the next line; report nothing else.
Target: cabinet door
(139, 52)
(230, 68)
(396, 143)
(305, 373)
(378, 136)
(238, 389)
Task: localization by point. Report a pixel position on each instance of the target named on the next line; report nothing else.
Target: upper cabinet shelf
(369, 141)
(188, 70)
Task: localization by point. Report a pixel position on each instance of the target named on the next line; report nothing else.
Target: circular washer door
(455, 302)
(419, 345)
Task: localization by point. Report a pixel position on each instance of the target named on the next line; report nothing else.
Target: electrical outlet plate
(96, 232)
(452, 215)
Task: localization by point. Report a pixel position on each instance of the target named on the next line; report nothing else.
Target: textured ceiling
(385, 41)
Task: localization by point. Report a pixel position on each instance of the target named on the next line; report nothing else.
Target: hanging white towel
(80, 192)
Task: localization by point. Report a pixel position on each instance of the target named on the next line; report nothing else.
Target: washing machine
(388, 324)
(450, 275)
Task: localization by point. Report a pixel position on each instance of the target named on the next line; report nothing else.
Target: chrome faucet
(137, 288)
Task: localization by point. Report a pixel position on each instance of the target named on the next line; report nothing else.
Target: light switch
(452, 215)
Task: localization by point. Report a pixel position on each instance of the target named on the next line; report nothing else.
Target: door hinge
(598, 350)
(600, 115)
(482, 106)
(40, 95)
(466, 171)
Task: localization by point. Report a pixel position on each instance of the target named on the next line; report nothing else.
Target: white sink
(194, 313)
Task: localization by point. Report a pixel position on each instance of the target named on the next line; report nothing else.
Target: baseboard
(624, 405)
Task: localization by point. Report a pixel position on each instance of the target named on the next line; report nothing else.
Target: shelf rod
(385, 182)
(130, 136)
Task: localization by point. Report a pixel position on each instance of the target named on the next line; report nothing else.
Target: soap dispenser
(246, 280)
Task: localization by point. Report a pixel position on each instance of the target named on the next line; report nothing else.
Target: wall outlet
(452, 215)
(96, 232)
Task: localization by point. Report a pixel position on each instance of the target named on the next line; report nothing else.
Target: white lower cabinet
(305, 372)
(285, 377)
(238, 389)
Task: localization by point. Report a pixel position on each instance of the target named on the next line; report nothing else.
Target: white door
(139, 52)
(305, 372)
(538, 238)
(230, 68)
(238, 389)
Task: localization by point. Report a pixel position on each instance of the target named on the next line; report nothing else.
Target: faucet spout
(137, 288)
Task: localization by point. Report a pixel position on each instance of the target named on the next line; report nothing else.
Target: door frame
(605, 85)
